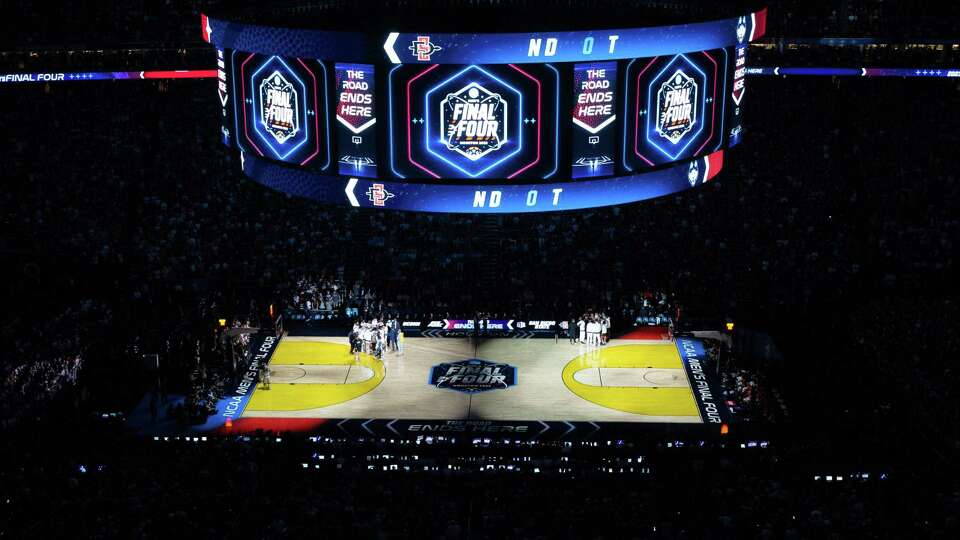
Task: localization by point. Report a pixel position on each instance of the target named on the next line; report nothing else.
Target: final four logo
(473, 376)
(473, 121)
(676, 106)
(278, 107)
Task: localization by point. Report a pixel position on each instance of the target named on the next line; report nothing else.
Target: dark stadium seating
(129, 230)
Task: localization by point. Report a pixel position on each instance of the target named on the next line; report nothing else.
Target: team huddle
(375, 336)
(591, 329)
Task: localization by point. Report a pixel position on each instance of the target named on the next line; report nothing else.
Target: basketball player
(593, 331)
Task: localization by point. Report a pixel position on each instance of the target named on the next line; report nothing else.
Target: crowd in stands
(912, 354)
(81, 60)
(318, 294)
(843, 244)
(268, 488)
(43, 360)
(328, 293)
(649, 308)
(785, 52)
(106, 24)
(764, 242)
(743, 394)
(892, 19)
(178, 24)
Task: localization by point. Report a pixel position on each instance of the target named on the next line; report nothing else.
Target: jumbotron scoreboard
(479, 121)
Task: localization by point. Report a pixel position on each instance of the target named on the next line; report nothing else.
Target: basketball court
(499, 380)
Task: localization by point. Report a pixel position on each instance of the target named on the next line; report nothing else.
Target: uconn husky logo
(676, 106)
(473, 121)
(741, 29)
(278, 107)
(693, 173)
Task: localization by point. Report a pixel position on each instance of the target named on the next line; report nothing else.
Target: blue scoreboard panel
(675, 107)
(473, 122)
(281, 108)
(539, 123)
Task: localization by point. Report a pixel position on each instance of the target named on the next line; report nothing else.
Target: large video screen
(356, 113)
(462, 124)
(281, 108)
(675, 107)
(468, 122)
(496, 118)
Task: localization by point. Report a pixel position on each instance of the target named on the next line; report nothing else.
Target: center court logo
(278, 107)
(473, 121)
(473, 375)
(676, 112)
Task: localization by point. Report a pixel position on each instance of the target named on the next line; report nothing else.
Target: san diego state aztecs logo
(473, 121)
(676, 106)
(473, 376)
(278, 107)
